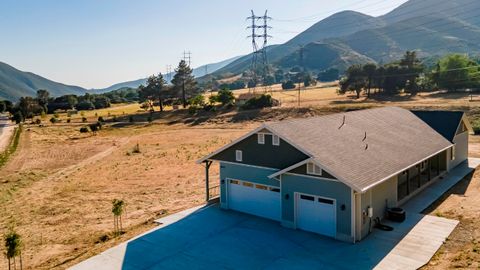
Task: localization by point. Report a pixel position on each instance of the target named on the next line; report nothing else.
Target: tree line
(451, 72)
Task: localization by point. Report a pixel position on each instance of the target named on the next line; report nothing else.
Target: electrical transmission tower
(259, 58)
(168, 73)
(187, 57)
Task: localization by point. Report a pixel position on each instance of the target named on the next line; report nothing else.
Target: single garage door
(255, 199)
(316, 214)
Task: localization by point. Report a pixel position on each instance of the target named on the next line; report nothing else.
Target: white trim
(290, 168)
(254, 183)
(313, 167)
(239, 155)
(277, 142)
(393, 174)
(352, 215)
(247, 165)
(230, 144)
(263, 126)
(297, 196)
(261, 138)
(467, 124)
(312, 176)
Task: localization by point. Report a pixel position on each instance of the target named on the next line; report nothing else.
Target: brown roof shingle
(396, 139)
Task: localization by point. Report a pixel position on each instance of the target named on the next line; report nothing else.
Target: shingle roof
(444, 122)
(396, 139)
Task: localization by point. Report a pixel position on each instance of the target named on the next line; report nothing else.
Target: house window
(452, 153)
(313, 169)
(261, 138)
(307, 198)
(274, 189)
(261, 187)
(248, 184)
(239, 155)
(235, 182)
(275, 140)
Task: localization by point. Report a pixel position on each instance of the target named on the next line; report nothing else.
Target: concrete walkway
(429, 233)
(211, 238)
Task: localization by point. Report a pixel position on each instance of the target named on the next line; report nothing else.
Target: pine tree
(184, 82)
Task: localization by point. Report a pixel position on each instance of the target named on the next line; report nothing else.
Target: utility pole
(257, 50)
(300, 78)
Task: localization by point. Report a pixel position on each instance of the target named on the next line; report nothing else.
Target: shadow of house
(214, 238)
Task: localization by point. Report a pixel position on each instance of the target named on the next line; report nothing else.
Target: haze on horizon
(95, 44)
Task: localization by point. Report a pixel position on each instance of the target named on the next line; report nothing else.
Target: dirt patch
(461, 202)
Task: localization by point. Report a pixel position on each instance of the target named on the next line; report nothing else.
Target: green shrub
(69, 120)
(84, 119)
(84, 130)
(259, 102)
(100, 119)
(38, 121)
(288, 85)
(54, 120)
(131, 119)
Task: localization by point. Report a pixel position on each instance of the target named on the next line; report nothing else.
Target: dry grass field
(58, 187)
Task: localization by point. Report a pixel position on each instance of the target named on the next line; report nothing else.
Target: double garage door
(316, 214)
(313, 213)
(255, 199)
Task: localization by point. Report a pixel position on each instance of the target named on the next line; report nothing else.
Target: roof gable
(444, 122)
(363, 148)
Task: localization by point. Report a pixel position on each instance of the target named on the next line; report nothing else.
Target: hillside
(430, 27)
(15, 84)
(197, 72)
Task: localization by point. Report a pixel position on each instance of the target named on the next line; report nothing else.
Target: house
(335, 174)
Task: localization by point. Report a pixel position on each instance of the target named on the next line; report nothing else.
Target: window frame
(275, 140)
(261, 138)
(452, 153)
(312, 169)
(239, 155)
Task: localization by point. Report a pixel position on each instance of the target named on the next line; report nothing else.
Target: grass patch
(12, 147)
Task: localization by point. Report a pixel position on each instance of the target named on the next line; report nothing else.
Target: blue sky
(96, 43)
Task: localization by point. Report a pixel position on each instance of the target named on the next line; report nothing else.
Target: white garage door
(255, 199)
(316, 214)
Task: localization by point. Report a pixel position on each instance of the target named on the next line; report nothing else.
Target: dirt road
(6, 130)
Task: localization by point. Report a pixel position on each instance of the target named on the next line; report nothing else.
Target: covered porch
(417, 177)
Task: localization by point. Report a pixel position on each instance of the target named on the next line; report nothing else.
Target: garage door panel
(253, 200)
(316, 214)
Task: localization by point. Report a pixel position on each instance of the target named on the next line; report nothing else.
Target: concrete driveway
(211, 238)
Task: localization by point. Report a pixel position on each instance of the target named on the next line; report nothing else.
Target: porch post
(429, 169)
(408, 181)
(438, 165)
(419, 175)
(207, 181)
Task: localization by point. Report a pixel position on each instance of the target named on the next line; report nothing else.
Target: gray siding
(461, 150)
(245, 173)
(265, 155)
(379, 198)
(326, 188)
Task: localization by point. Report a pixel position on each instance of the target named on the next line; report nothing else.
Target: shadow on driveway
(214, 238)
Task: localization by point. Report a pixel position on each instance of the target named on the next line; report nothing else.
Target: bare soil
(58, 187)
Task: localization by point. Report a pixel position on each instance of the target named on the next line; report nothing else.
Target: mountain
(197, 72)
(431, 27)
(15, 84)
